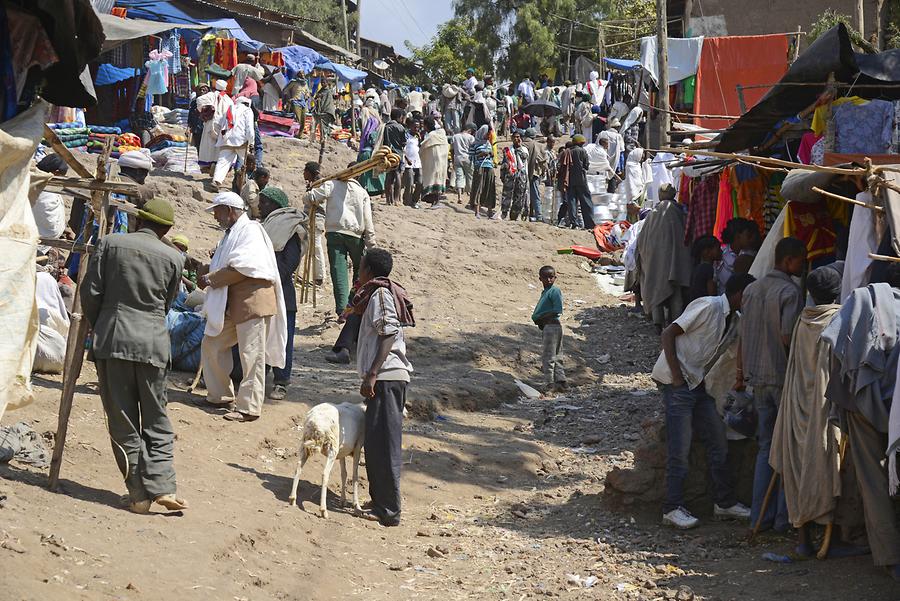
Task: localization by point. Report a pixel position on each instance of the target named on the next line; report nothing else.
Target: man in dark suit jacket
(131, 281)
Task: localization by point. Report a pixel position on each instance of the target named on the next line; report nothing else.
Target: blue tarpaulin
(300, 59)
(344, 73)
(622, 64)
(108, 74)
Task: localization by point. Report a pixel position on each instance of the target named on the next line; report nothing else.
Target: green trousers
(340, 247)
(134, 399)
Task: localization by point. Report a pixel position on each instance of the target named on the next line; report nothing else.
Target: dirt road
(503, 497)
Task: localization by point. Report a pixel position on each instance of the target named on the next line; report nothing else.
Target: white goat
(336, 431)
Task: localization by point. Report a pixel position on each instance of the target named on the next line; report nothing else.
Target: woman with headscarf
(371, 139)
(634, 187)
(434, 152)
(369, 116)
(484, 189)
(195, 123)
(213, 106)
(596, 88)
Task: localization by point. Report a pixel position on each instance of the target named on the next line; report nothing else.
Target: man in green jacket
(130, 283)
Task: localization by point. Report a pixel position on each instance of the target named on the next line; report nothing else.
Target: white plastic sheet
(18, 245)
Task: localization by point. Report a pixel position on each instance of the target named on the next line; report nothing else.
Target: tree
(451, 51)
(830, 18)
(329, 15)
(525, 37)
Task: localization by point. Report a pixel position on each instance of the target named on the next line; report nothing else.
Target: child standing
(412, 166)
(706, 252)
(546, 315)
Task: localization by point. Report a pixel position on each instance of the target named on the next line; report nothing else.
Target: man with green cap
(286, 227)
(131, 281)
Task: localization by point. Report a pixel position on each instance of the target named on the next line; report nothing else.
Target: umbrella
(542, 108)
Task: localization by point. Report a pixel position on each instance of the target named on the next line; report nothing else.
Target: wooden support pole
(852, 201)
(662, 49)
(764, 161)
(78, 327)
(60, 149)
(124, 188)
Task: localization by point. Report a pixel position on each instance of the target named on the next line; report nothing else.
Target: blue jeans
(766, 400)
(689, 411)
(534, 188)
(574, 215)
(257, 145)
(283, 375)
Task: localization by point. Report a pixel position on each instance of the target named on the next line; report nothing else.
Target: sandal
(237, 416)
(140, 507)
(171, 502)
(278, 393)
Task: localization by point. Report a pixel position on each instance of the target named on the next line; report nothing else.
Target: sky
(394, 21)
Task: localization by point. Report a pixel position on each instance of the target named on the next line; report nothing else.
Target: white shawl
(635, 179)
(247, 249)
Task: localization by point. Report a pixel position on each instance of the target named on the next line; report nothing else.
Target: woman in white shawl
(434, 152)
(596, 88)
(634, 187)
(212, 106)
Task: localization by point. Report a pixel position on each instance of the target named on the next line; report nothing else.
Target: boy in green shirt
(546, 315)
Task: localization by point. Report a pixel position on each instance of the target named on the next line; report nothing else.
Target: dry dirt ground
(503, 497)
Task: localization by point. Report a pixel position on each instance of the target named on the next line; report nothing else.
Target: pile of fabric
(163, 141)
(185, 327)
(121, 142)
(72, 135)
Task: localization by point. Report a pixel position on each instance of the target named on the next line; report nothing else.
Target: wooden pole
(359, 27)
(860, 18)
(346, 26)
(78, 326)
(569, 53)
(662, 49)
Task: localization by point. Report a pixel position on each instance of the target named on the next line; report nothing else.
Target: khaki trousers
(250, 336)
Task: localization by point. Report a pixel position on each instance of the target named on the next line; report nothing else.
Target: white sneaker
(738, 511)
(680, 518)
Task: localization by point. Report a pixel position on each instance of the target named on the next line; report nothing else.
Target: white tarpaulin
(684, 57)
(18, 246)
(118, 30)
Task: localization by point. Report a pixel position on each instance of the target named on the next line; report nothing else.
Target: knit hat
(578, 139)
(158, 211)
(824, 284)
(53, 163)
(276, 195)
(181, 240)
(531, 132)
(667, 192)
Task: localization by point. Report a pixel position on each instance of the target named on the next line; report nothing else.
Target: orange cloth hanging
(725, 206)
(226, 53)
(751, 199)
(275, 59)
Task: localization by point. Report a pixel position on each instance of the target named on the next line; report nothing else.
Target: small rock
(684, 594)
(131, 587)
(434, 553)
(13, 546)
(422, 533)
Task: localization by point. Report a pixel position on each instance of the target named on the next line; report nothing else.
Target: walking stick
(765, 505)
(196, 381)
(826, 541)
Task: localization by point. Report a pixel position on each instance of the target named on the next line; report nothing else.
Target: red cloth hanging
(725, 205)
(737, 60)
(119, 12)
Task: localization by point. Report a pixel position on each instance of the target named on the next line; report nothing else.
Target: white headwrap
(221, 85)
(136, 160)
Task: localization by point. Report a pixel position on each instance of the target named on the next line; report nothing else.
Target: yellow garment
(820, 116)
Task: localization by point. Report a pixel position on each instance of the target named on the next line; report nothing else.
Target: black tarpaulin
(832, 52)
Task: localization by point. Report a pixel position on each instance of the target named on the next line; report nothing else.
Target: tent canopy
(832, 52)
(300, 59)
(108, 74)
(622, 64)
(118, 30)
(344, 73)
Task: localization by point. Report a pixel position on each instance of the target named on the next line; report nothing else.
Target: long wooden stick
(124, 188)
(875, 257)
(765, 161)
(765, 505)
(852, 201)
(78, 327)
(826, 541)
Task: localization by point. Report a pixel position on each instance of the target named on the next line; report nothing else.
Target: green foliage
(519, 37)
(830, 18)
(329, 14)
(450, 52)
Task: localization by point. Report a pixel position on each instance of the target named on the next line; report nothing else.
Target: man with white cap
(135, 165)
(212, 106)
(236, 135)
(249, 68)
(244, 306)
(130, 283)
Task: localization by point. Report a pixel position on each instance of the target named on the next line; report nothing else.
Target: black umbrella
(543, 108)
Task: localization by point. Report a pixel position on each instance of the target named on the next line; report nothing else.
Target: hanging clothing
(864, 128)
(811, 223)
(866, 232)
(226, 53)
(172, 44)
(702, 208)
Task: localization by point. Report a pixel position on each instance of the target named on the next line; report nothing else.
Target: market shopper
(546, 316)
(514, 175)
(286, 227)
(770, 310)
(244, 306)
(690, 346)
(385, 311)
(236, 135)
(348, 228)
(460, 144)
(131, 281)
